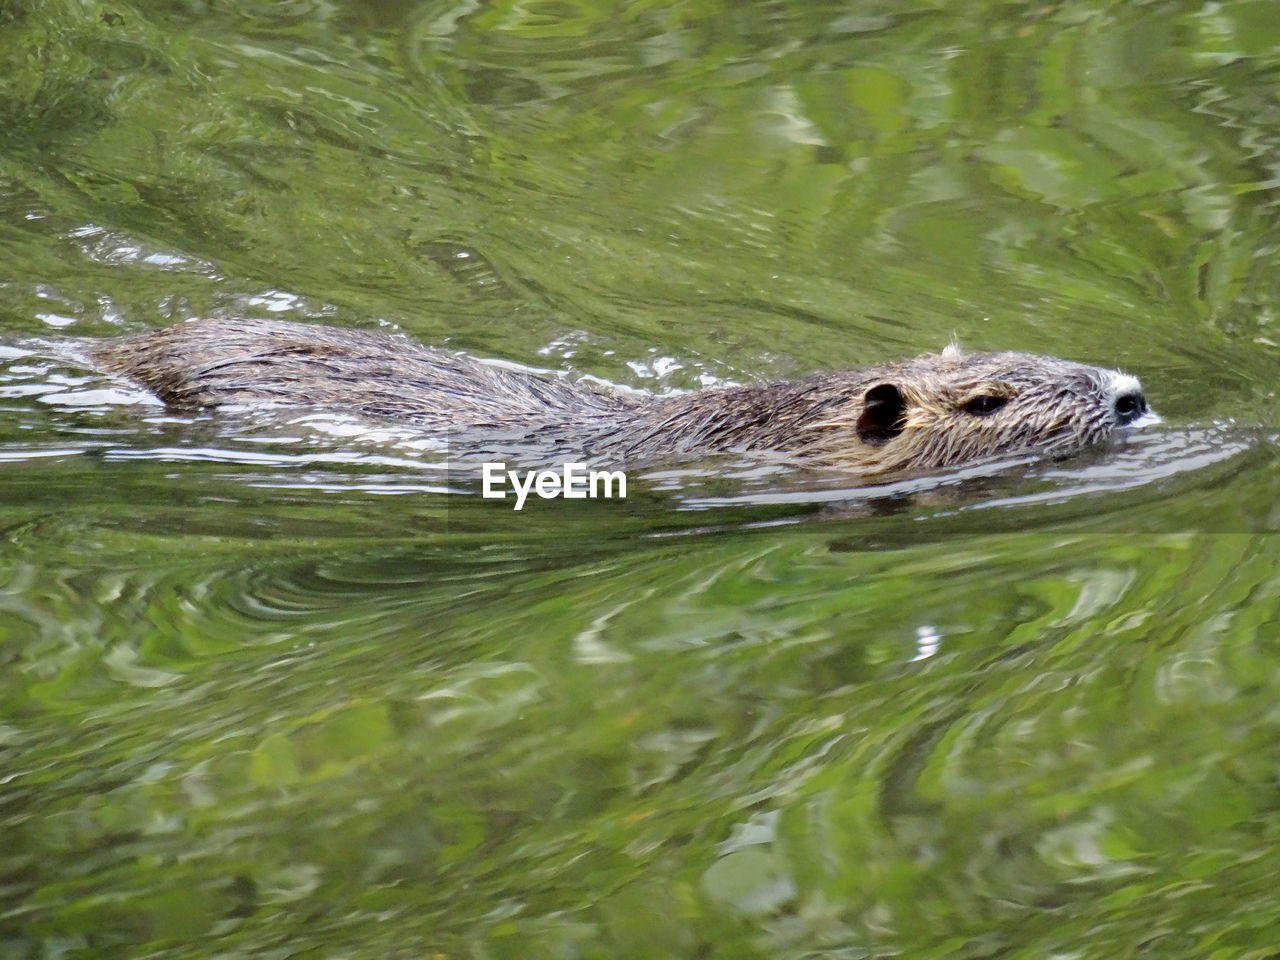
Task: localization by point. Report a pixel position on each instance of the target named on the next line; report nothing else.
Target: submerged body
(934, 411)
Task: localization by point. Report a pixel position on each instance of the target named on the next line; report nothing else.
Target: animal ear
(882, 415)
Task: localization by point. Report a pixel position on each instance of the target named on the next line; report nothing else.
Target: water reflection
(759, 704)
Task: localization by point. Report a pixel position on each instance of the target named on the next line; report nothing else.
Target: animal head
(952, 408)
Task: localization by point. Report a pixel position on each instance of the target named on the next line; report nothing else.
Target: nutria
(922, 414)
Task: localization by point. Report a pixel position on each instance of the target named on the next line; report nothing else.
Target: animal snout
(1130, 407)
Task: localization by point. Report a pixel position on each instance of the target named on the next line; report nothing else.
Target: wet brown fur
(914, 415)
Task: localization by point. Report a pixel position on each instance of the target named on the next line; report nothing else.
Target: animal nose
(1130, 407)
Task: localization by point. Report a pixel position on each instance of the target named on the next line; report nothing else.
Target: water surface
(280, 686)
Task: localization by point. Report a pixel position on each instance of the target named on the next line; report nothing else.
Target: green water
(274, 690)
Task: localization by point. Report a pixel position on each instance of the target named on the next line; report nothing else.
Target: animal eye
(985, 405)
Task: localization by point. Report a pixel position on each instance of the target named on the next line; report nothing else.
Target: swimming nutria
(922, 414)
